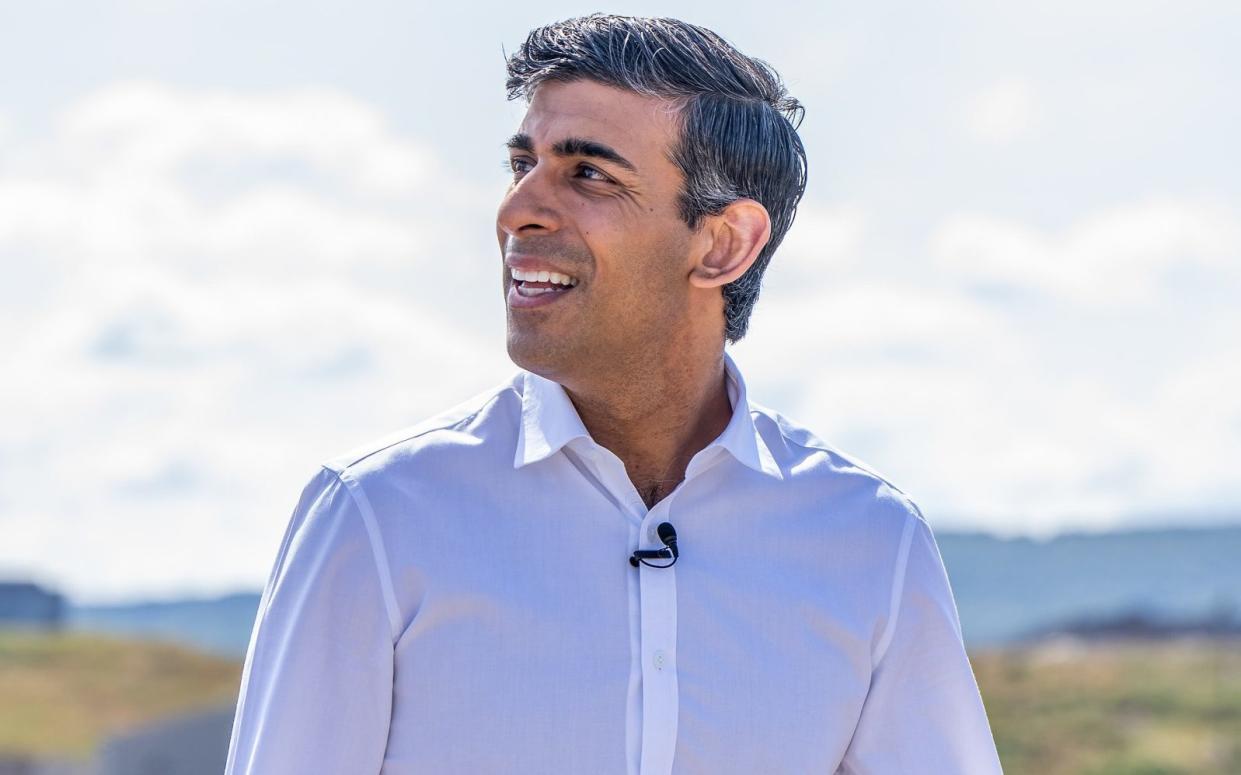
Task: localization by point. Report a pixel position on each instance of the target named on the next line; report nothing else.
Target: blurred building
(192, 744)
(23, 604)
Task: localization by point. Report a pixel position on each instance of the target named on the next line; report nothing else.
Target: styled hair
(738, 125)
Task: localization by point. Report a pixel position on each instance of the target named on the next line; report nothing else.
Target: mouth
(534, 288)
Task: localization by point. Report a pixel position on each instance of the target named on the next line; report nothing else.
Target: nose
(529, 207)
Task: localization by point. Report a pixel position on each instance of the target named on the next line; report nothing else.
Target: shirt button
(659, 659)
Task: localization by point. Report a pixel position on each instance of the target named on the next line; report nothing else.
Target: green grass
(63, 694)
(1115, 709)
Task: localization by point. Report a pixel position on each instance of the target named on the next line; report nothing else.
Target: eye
(588, 168)
(514, 164)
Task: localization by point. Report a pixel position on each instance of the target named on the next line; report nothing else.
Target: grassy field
(1114, 709)
(61, 695)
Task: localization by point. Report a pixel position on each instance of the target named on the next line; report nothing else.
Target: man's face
(609, 224)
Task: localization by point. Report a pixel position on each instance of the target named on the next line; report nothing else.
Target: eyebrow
(573, 146)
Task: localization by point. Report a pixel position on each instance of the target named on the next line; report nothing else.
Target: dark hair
(738, 136)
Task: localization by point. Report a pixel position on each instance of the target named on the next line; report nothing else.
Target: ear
(736, 237)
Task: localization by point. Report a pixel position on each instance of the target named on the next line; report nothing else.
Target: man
(463, 596)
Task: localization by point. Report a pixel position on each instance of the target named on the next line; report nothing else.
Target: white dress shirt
(457, 598)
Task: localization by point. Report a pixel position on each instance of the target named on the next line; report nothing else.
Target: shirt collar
(549, 421)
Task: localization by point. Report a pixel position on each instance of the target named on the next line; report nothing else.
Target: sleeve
(923, 713)
(316, 688)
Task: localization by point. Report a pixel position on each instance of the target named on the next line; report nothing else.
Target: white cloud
(1111, 402)
(1119, 257)
(998, 440)
(823, 238)
(1001, 113)
(151, 129)
(207, 293)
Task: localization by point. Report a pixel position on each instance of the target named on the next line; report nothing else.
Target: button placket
(652, 713)
(658, 642)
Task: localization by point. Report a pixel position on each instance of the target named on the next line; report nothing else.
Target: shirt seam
(447, 426)
(378, 553)
(898, 589)
(849, 460)
(912, 516)
(824, 447)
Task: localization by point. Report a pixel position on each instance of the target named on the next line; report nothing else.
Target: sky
(237, 239)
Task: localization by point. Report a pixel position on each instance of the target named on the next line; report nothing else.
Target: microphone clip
(668, 534)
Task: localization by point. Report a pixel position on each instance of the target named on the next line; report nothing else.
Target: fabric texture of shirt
(457, 598)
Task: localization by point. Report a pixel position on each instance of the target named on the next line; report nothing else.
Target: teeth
(525, 291)
(544, 277)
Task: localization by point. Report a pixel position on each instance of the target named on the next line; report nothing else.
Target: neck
(655, 416)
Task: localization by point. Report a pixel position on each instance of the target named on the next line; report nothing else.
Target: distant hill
(218, 626)
(1006, 589)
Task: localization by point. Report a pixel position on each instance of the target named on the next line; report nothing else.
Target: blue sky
(239, 238)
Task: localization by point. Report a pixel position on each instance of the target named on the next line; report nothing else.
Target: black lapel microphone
(668, 534)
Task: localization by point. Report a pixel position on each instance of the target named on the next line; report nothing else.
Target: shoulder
(481, 423)
(852, 489)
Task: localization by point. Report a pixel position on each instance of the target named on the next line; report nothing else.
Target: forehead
(642, 129)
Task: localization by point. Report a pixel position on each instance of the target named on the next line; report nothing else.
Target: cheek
(639, 262)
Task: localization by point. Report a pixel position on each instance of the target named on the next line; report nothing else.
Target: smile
(542, 280)
(532, 288)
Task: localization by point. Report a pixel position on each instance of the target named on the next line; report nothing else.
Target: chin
(532, 353)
